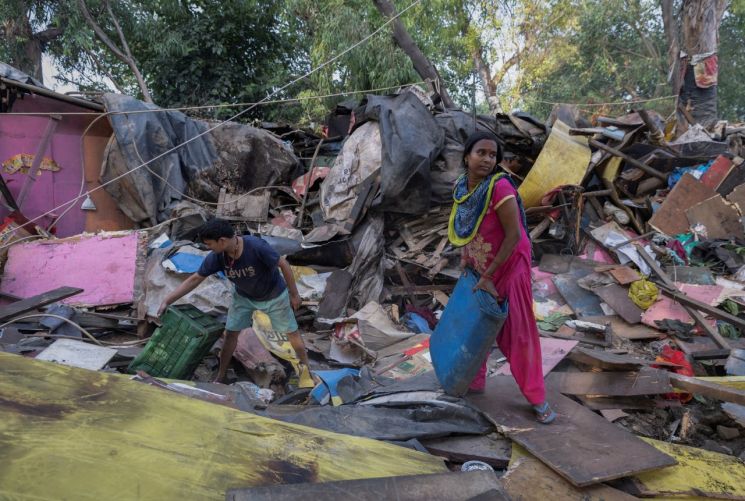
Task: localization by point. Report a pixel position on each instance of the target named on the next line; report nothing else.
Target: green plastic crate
(177, 346)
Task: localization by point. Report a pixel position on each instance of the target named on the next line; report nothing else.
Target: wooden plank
(718, 172)
(29, 304)
(580, 445)
(708, 389)
(582, 302)
(720, 218)
(624, 330)
(629, 403)
(670, 218)
(457, 486)
(553, 351)
(612, 384)
(624, 275)
(555, 263)
(494, 450)
(736, 178)
(737, 197)
(528, 479)
(697, 317)
(612, 361)
(568, 333)
(617, 297)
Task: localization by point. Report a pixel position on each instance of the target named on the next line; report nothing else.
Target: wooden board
(670, 218)
(735, 178)
(617, 297)
(30, 304)
(612, 384)
(528, 479)
(491, 449)
(718, 172)
(737, 197)
(77, 354)
(639, 403)
(719, 217)
(553, 351)
(580, 445)
(624, 275)
(708, 389)
(582, 302)
(624, 330)
(611, 361)
(456, 486)
(555, 263)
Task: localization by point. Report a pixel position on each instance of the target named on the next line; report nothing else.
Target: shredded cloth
(469, 208)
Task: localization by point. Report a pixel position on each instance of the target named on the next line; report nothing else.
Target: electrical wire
(240, 113)
(292, 100)
(77, 326)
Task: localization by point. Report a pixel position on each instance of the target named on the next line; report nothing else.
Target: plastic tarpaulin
(457, 126)
(402, 421)
(411, 141)
(234, 156)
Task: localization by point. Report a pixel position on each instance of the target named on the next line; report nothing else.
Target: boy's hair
(215, 229)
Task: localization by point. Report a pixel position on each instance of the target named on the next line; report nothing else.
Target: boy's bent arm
(186, 287)
(290, 281)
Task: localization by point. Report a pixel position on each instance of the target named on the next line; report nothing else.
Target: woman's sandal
(544, 414)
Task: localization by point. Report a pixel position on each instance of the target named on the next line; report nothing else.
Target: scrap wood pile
(638, 285)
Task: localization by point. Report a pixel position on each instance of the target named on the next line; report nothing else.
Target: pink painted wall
(22, 134)
(104, 265)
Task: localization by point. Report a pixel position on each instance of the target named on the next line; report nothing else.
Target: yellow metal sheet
(563, 160)
(713, 475)
(736, 382)
(68, 433)
(611, 169)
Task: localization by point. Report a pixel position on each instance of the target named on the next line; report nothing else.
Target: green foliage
(613, 50)
(203, 52)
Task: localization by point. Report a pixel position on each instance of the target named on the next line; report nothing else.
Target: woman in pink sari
(488, 221)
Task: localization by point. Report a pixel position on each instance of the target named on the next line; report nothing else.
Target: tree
(607, 51)
(26, 29)
(699, 43)
(421, 63)
(123, 53)
(509, 35)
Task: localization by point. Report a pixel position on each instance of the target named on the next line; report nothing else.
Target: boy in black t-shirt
(253, 267)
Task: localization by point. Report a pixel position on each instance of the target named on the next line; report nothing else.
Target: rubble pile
(639, 292)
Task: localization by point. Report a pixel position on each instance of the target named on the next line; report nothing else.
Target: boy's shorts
(279, 310)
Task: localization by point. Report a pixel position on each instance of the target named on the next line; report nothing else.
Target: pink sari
(518, 340)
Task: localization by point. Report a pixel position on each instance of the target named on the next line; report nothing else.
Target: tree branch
(119, 53)
(421, 63)
(49, 34)
(130, 59)
(103, 70)
(100, 33)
